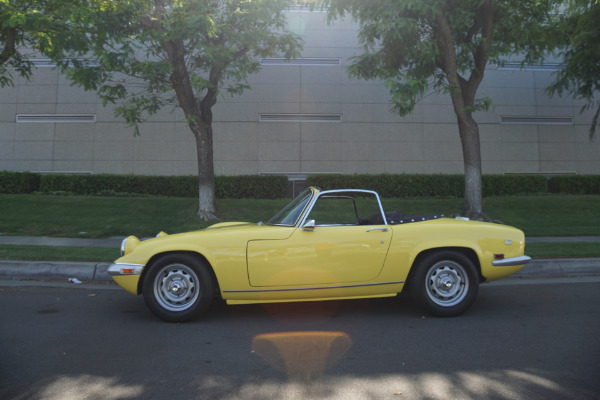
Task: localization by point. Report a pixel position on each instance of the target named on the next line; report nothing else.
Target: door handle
(383, 229)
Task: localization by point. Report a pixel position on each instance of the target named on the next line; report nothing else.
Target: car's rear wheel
(178, 288)
(445, 283)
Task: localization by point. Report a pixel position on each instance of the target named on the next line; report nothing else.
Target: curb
(560, 268)
(45, 270)
(96, 272)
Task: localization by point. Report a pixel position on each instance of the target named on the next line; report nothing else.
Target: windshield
(292, 212)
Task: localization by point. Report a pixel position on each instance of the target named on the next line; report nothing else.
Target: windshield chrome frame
(318, 194)
(314, 192)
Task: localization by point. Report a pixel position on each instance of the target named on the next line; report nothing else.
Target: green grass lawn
(563, 250)
(56, 253)
(102, 217)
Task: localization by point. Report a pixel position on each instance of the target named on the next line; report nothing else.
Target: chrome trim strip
(117, 269)
(511, 262)
(311, 288)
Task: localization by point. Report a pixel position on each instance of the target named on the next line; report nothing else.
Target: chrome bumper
(122, 269)
(511, 262)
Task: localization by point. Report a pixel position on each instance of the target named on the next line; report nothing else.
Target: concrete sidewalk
(57, 270)
(90, 271)
(57, 241)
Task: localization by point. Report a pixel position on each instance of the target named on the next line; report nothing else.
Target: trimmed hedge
(506, 185)
(251, 187)
(574, 184)
(413, 185)
(237, 187)
(274, 186)
(387, 185)
(104, 184)
(19, 182)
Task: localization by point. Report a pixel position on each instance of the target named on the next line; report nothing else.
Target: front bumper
(127, 276)
(511, 262)
(123, 269)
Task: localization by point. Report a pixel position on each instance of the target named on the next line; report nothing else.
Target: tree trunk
(463, 94)
(199, 118)
(469, 137)
(206, 178)
(10, 37)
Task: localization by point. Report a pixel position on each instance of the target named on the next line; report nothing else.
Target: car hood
(225, 234)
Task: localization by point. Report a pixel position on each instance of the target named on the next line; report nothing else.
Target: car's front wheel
(178, 288)
(445, 283)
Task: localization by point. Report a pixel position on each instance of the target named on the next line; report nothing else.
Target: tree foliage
(579, 75)
(419, 46)
(180, 53)
(406, 43)
(31, 28)
(141, 46)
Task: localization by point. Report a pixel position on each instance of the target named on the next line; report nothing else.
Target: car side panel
(325, 255)
(224, 249)
(484, 239)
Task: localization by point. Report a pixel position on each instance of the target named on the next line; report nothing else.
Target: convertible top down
(324, 245)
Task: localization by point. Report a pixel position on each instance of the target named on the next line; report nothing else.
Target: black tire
(445, 283)
(178, 288)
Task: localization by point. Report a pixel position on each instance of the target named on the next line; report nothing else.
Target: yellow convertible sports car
(324, 245)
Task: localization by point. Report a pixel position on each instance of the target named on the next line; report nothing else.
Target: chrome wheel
(176, 287)
(447, 283)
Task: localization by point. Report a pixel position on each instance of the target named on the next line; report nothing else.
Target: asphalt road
(530, 341)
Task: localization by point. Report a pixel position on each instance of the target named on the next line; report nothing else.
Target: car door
(339, 248)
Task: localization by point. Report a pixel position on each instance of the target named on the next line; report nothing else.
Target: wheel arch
(466, 251)
(194, 254)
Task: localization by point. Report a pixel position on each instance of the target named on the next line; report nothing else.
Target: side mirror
(309, 225)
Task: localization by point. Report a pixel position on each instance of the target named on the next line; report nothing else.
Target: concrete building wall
(260, 131)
